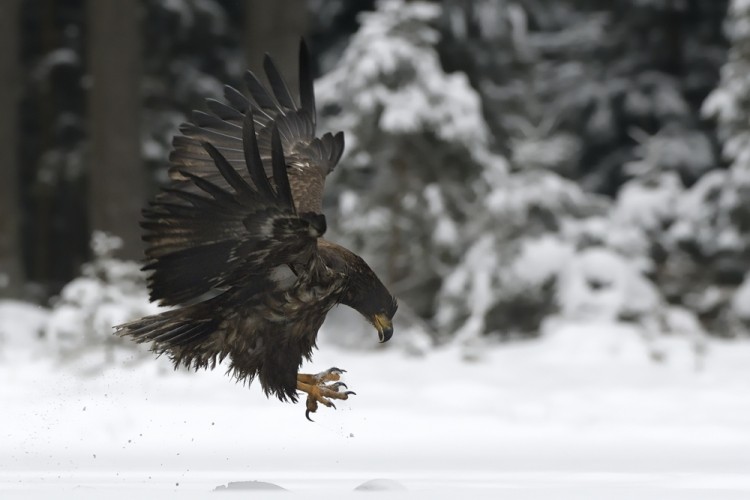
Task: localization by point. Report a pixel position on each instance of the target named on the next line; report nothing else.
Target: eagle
(235, 247)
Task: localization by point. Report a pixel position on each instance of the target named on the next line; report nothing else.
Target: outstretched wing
(209, 233)
(309, 159)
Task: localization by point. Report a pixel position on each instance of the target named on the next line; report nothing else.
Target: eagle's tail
(184, 334)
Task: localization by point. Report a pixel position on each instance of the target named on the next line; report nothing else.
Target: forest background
(507, 162)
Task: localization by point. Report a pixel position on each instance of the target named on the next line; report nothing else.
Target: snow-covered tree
(416, 143)
(193, 50)
(11, 263)
(507, 282)
(729, 103)
(108, 292)
(192, 47)
(575, 74)
(713, 227)
(52, 138)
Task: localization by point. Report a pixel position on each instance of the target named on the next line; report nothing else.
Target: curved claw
(307, 416)
(336, 370)
(333, 406)
(335, 387)
(350, 393)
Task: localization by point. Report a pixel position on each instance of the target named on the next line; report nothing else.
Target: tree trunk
(117, 181)
(11, 270)
(275, 28)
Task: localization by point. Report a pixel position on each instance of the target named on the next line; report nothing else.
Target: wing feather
(252, 156)
(235, 98)
(214, 240)
(278, 85)
(232, 177)
(209, 187)
(306, 90)
(206, 120)
(223, 125)
(241, 173)
(279, 169)
(224, 111)
(259, 93)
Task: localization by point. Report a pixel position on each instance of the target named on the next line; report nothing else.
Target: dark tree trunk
(117, 182)
(275, 28)
(11, 272)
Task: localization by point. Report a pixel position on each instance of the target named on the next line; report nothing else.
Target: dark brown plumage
(235, 244)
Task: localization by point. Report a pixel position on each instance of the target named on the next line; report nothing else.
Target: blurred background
(558, 191)
(506, 161)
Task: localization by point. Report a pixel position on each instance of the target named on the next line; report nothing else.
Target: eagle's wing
(209, 233)
(309, 158)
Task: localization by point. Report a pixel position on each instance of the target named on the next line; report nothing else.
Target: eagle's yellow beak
(384, 327)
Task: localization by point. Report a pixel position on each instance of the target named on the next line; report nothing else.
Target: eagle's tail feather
(185, 338)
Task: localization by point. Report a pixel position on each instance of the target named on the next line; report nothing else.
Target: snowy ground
(581, 414)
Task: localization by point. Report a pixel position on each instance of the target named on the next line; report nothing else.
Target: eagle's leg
(318, 391)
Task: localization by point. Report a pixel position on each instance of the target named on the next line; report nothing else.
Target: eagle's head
(366, 294)
(378, 306)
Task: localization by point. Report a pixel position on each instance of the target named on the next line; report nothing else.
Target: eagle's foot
(319, 391)
(330, 375)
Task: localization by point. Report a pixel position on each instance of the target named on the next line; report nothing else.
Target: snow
(58, 58)
(181, 8)
(648, 205)
(598, 282)
(20, 326)
(380, 485)
(696, 213)
(582, 413)
(391, 71)
(540, 259)
(546, 152)
(249, 485)
(741, 301)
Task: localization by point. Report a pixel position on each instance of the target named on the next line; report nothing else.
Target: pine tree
(11, 270)
(108, 292)
(574, 74)
(416, 143)
(713, 230)
(117, 181)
